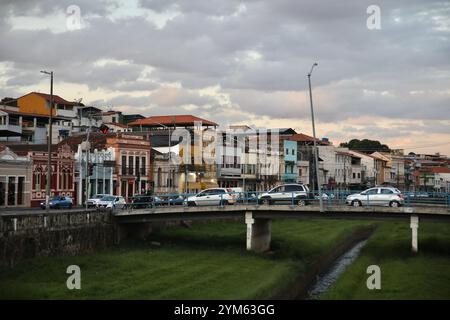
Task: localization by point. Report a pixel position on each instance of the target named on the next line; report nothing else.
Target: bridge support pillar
(414, 233)
(259, 233)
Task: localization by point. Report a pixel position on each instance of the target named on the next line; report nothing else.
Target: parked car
(247, 198)
(380, 196)
(92, 202)
(171, 200)
(58, 202)
(112, 202)
(143, 201)
(297, 193)
(213, 197)
(325, 196)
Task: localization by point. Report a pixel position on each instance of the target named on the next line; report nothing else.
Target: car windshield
(54, 198)
(99, 196)
(277, 189)
(108, 198)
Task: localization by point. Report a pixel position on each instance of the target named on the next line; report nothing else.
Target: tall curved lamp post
(316, 151)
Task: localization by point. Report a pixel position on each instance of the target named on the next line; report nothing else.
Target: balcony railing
(12, 128)
(66, 113)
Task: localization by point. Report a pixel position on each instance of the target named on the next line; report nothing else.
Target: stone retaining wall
(67, 233)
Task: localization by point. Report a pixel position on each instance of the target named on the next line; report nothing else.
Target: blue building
(290, 172)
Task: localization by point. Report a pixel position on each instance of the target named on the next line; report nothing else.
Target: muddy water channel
(324, 282)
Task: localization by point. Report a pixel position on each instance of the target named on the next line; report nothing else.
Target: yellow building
(39, 104)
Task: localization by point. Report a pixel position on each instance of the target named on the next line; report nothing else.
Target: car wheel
(224, 203)
(394, 204)
(191, 204)
(356, 203)
(301, 202)
(70, 206)
(266, 201)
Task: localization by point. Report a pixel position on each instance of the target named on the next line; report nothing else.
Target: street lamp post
(316, 151)
(88, 150)
(49, 144)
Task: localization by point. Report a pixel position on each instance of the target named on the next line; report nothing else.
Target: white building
(368, 172)
(101, 180)
(341, 168)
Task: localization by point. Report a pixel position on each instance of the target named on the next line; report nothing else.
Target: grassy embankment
(208, 261)
(404, 275)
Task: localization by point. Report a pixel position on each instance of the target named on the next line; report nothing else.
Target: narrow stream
(326, 281)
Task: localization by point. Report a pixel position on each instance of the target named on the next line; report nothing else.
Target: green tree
(365, 145)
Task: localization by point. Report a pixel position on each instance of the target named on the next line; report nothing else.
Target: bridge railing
(330, 199)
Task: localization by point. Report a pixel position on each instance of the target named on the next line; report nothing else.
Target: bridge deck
(278, 212)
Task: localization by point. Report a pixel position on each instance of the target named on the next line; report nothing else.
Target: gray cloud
(257, 52)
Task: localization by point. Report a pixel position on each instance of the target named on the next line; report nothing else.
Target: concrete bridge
(259, 218)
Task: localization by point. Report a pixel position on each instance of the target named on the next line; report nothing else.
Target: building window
(144, 164)
(124, 164)
(20, 190)
(123, 189)
(158, 181)
(138, 172)
(38, 177)
(130, 165)
(66, 180)
(11, 191)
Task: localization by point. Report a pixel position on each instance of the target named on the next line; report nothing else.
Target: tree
(365, 145)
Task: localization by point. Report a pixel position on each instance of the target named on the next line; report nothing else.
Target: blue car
(59, 202)
(170, 200)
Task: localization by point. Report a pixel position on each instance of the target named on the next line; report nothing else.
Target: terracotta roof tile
(116, 124)
(179, 120)
(437, 169)
(301, 137)
(56, 99)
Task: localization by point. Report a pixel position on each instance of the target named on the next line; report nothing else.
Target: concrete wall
(28, 236)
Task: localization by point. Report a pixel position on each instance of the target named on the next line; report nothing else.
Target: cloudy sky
(243, 62)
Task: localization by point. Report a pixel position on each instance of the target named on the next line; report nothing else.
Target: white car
(213, 197)
(289, 193)
(111, 202)
(92, 202)
(378, 196)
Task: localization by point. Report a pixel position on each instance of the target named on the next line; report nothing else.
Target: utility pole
(48, 186)
(316, 151)
(87, 177)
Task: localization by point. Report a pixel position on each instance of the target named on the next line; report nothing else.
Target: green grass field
(208, 261)
(404, 275)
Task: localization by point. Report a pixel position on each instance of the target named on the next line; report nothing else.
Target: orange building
(39, 104)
